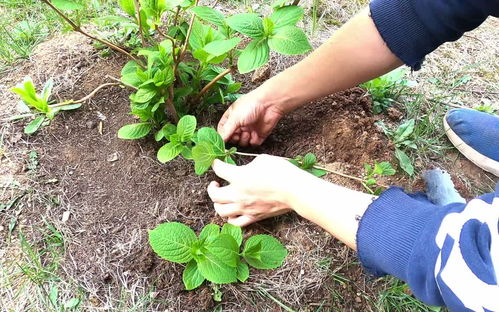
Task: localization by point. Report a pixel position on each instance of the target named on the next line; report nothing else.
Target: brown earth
(115, 190)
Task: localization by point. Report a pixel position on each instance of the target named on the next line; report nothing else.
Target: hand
(257, 191)
(249, 121)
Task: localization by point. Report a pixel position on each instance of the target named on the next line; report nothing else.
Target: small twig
(316, 167)
(296, 2)
(103, 41)
(188, 36)
(175, 19)
(86, 98)
(139, 21)
(169, 104)
(212, 83)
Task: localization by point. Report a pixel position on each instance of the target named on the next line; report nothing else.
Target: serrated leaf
(286, 16)
(169, 151)
(191, 276)
(144, 95)
(131, 79)
(172, 241)
(384, 169)
(128, 6)
(404, 161)
(186, 152)
(33, 126)
(186, 127)
(134, 131)
(66, 5)
(220, 47)
(203, 156)
(209, 232)
(235, 231)
(249, 24)
(253, 56)
(211, 136)
(271, 254)
(129, 68)
(309, 160)
(234, 87)
(210, 15)
(289, 40)
(214, 270)
(242, 271)
(226, 249)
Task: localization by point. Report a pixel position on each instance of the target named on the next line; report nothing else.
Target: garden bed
(115, 190)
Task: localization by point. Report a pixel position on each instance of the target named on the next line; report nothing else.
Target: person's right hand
(248, 121)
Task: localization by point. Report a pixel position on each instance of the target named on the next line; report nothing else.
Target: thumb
(225, 171)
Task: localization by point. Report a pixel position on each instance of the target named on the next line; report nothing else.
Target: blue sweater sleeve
(414, 28)
(449, 255)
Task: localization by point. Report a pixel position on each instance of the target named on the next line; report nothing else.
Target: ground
(78, 201)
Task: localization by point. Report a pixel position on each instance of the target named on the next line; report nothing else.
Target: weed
(308, 163)
(386, 89)
(403, 138)
(215, 254)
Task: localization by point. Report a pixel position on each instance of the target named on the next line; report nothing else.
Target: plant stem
(161, 33)
(86, 98)
(121, 83)
(316, 167)
(169, 104)
(103, 41)
(139, 21)
(212, 83)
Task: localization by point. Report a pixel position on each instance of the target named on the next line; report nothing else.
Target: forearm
(334, 208)
(354, 54)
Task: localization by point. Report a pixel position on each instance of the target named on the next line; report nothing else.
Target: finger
(255, 139)
(226, 171)
(242, 220)
(245, 137)
(228, 128)
(221, 195)
(228, 210)
(224, 118)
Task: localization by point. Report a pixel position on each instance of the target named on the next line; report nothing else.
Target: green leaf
(134, 131)
(383, 169)
(234, 87)
(253, 56)
(309, 160)
(209, 232)
(191, 276)
(220, 47)
(130, 67)
(172, 241)
(72, 303)
(128, 6)
(235, 231)
(242, 271)
(249, 24)
(404, 161)
(186, 127)
(271, 254)
(268, 27)
(54, 295)
(47, 90)
(131, 79)
(69, 107)
(196, 40)
(286, 16)
(317, 172)
(215, 270)
(66, 5)
(203, 155)
(169, 151)
(144, 95)
(404, 131)
(210, 15)
(186, 152)
(289, 40)
(33, 126)
(211, 136)
(226, 249)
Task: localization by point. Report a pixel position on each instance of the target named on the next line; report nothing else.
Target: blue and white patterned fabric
(449, 255)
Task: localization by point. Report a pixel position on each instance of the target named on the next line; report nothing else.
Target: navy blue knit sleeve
(414, 28)
(449, 255)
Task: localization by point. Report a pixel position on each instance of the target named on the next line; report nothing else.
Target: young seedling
(402, 138)
(216, 254)
(373, 173)
(39, 103)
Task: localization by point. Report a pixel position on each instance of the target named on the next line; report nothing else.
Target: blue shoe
(476, 135)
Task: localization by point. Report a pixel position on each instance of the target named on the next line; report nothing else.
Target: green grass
(25, 23)
(396, 297)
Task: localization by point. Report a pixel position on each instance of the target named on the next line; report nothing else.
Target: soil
(115, 190)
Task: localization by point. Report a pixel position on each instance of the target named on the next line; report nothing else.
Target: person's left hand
(262, 189)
